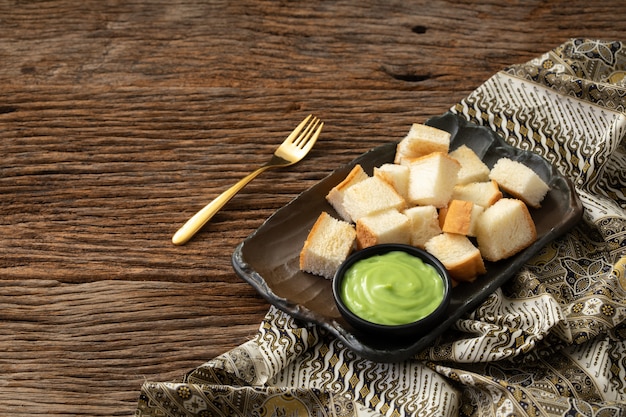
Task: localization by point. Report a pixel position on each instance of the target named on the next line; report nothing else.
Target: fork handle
(195, 223)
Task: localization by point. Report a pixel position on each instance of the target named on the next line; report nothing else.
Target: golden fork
(292, 150)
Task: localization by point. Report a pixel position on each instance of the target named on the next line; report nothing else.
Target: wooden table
(119, 120)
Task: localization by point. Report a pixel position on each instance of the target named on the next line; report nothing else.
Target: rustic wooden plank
(90, 191)
(275, 45)
(119, 119)
(85, 349)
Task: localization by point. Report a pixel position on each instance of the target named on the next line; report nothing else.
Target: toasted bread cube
(519, 181)
(483, 194)
(473, 169)
(432, 179)
(422, 140)
(396, 175)
(327, 245)
(336, 195)
(505, 229)
(424, 224)
(460, 217)
(458, 254)
(388, 226)
(371, 196)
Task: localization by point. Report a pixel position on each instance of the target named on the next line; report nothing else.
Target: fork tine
(308, 143)
(306, 134)
(294, 134)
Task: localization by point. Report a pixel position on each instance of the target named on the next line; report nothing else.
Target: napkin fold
(551, 341)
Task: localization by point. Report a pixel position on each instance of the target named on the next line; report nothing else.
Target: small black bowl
(413, 329)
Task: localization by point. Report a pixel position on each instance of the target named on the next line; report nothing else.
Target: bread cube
(336, 195)
(371, 196)
(395, 175)
(473, 169)
(388, 226)
(458, 254)
(483, 194)
(519, 181)
(327, 245)
(460, 217)
(505, 229)
(424, 224)
(420, 141)
(432, 179)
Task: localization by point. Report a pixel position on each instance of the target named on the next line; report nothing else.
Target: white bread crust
(519, 181)
(327, 245)
(458, 254)
(388, 226)
(432, 179)
(424, 224)
(505, 229)
(371, 196)
(422, 140)
(336, 195)
(483, 194)
(473, 169)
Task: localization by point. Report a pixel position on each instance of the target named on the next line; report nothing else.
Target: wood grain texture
(119, 120)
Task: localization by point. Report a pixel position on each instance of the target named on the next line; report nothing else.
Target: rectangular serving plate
(269, 258)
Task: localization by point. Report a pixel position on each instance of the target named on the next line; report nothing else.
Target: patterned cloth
(550, 342)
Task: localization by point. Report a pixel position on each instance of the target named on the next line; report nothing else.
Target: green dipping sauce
(394, 288)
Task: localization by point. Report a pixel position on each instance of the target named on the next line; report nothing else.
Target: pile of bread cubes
(449, 203)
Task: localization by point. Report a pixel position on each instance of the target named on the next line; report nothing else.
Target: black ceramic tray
(268, 259)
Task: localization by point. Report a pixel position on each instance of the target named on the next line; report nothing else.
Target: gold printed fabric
(550, 342)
